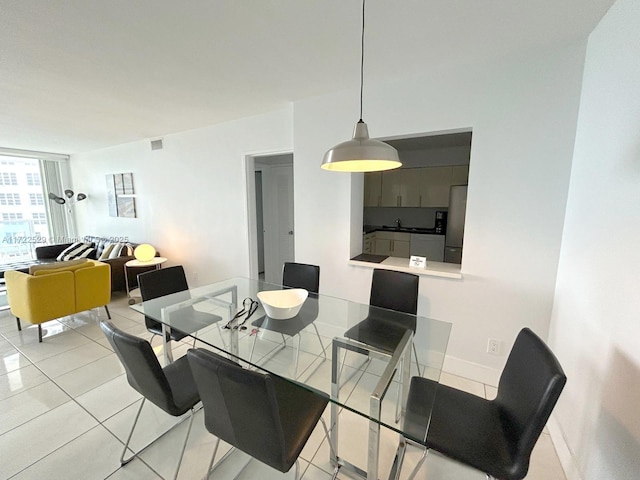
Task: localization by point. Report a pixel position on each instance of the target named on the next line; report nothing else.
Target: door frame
(250, 168)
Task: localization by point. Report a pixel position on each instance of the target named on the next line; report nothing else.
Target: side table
(155, 262)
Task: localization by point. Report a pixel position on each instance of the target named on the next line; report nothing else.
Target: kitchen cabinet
(394, 244)
(413, 187)
(372, 189)
(434, 186)
(390, 188)
(460, 175)
(367, 242)
(400, 188)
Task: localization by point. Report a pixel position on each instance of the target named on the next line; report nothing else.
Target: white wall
(191, 195)
(595, 327)
(523, 111)
(523, 114)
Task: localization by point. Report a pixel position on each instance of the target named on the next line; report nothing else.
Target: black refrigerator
(455, 224)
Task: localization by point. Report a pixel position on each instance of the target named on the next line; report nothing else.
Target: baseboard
(471, 370)
(565, 455)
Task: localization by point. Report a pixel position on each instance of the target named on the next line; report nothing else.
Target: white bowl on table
(283, 304)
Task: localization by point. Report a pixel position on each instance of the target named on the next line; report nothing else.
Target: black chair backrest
(394, 291)
(301, 275)
(143, 370)
(529, 387)
(158, 283)
(240, 406)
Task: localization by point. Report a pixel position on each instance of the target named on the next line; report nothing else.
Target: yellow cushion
(70, 268)
(55, 265)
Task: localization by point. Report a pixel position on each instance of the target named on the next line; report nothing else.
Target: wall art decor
(121, 195)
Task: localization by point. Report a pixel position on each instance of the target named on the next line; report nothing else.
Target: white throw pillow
(115, 251)
(107, 251)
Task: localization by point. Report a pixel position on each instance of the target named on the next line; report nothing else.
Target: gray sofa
(48, 254)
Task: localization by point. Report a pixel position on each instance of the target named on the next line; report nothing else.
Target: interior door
(277, 184)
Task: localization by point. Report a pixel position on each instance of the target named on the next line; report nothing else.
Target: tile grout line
(70, 398)
(101, 424)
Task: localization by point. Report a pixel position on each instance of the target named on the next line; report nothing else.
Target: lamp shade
(144, 252)
(361, 154)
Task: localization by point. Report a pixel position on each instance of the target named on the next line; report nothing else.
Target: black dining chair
(301, 275)
(381, 331)
(165, 281)
(267, 417)
(296, 275)
(171, 388)
(493, 436)
(391, 290)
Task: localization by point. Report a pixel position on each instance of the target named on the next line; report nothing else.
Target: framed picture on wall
(121, 195)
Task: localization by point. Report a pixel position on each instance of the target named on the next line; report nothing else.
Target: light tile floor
(66, 408)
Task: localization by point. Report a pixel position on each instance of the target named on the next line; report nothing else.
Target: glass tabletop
(310, 348)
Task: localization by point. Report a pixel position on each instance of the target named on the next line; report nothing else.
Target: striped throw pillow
(77, 250)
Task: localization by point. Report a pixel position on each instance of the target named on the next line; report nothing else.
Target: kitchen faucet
(398, 223)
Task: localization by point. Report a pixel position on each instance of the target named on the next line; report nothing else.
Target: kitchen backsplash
(409, 217)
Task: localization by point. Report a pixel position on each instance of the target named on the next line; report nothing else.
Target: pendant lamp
(361, 153)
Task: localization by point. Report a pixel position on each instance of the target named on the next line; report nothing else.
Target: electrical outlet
(493, 346)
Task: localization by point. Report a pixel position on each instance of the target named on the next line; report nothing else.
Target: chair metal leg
(399, 458)
(122, 459)
(355, 370)
(106, 308)
(213, 457)
(212, 467)
(326, 434)
(419, 464)
(224, 344)
(295, 370)
(394, 474)
(297, 474)
(19, 326)
(184, 445)
(415, 353)
(324, 353)
(40, 333)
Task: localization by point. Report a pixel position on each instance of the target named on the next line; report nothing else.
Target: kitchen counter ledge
(434, 269)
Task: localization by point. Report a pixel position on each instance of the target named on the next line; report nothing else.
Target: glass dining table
(309, 350)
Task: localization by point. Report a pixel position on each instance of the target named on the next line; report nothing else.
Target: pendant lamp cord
(362, 62)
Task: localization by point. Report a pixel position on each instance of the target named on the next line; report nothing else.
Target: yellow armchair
(56, 292)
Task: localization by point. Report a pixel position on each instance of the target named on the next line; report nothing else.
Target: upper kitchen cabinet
(400, 189)
(460, 175)
(413, 187)
(373, 189)
(434, 186)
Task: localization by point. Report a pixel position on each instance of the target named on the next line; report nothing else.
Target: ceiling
(78, 75)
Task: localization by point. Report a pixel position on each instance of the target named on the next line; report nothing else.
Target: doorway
(270, 202)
